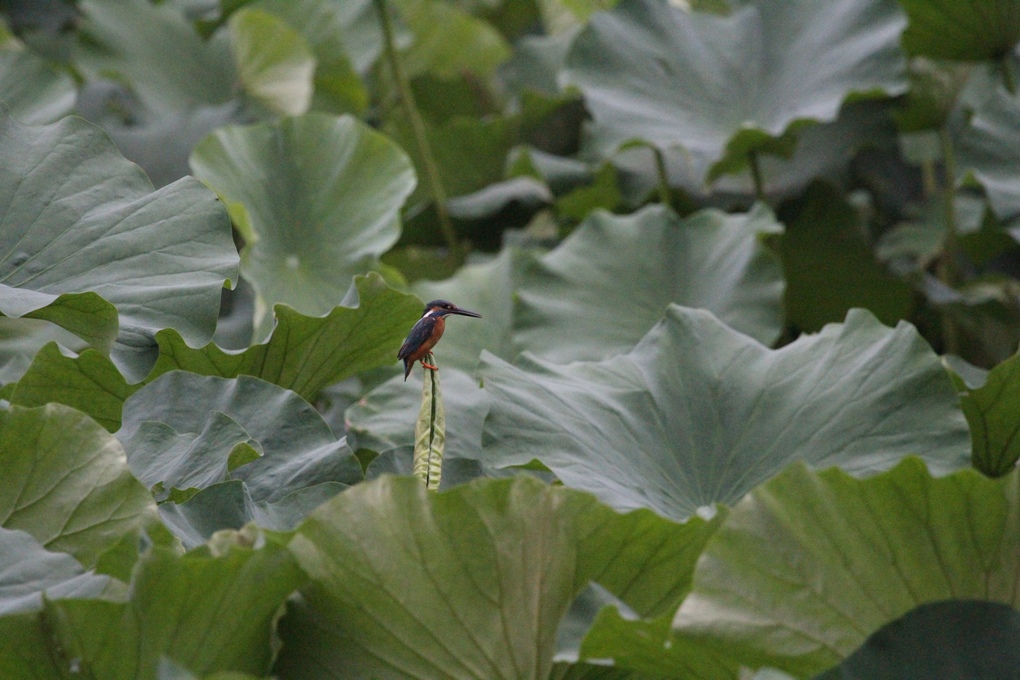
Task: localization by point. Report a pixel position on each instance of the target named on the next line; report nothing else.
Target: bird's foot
(430, 366)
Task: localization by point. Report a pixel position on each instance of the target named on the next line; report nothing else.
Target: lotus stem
(428, 159)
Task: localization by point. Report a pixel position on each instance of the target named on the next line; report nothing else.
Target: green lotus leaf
(335, 32)
(448, 41)
(968, 31)
(274, 62)
(991, 411)
(489, 609)
(297, 445)
(21, 340)
(809, 564)
(724, 87)
(600, 291)
(29, 572)
(66, 482)
(83, 222)
(698, 414)
(304, 353)
(409, 583)
(231, 596)
(89, 382)
(940, 641)
(229, 505)
(170, 462)
(157, 52)
(317, 198)
(32, 91)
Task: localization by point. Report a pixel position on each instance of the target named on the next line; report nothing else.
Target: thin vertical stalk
(428, 159)
(952, 248)
(665, 197)
(759, 182)
(949, 266)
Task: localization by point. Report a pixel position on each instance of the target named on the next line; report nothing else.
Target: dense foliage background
(743, 402)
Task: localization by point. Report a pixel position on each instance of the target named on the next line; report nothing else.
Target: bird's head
(441, 308)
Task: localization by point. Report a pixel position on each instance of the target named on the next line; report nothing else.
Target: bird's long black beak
(464, 312)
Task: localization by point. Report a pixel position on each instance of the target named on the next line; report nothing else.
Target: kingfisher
(426, 333)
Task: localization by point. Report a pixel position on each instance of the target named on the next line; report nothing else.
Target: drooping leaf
(82, 222)
(274, 62)
(298, 447)
(21, 340)
(170, 461)
(66, 482)
(809, 564)
(304, 353)
(698, 414)
(992, 413)
(974, 30)
(316, 198)
(89, 382)
(600, 291)
(723, 87)
(207, 612)
(31, 91)
(29, 572)
(229, 505)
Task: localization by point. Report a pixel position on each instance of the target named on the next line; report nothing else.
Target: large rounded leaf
(600, 291)
(66, 482)
(698, 414)
(82, 222)
(470, 582)
(317, 199)
(808, 565)
(722, 87)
